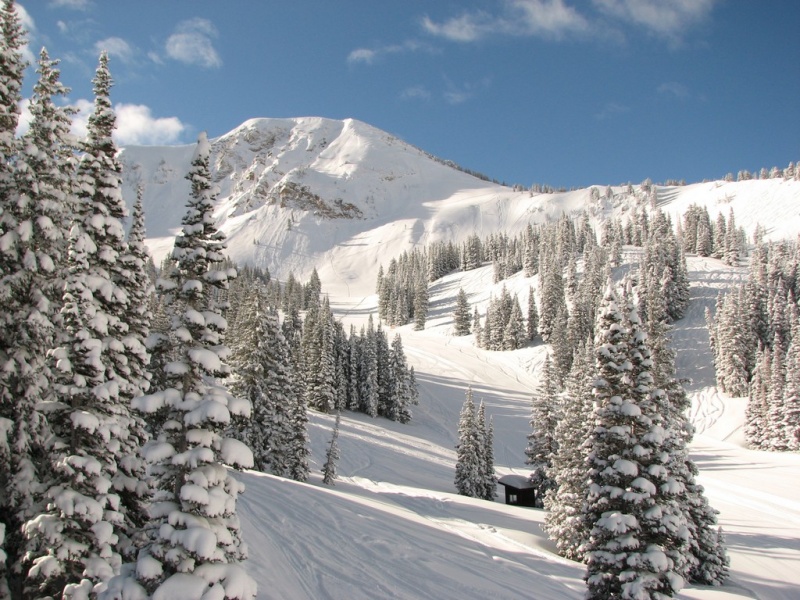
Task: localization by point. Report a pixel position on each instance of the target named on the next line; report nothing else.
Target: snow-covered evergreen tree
(332, 454)
(563, 522)
(263, 375)
(462, 318)
(790, 419)
(489, 476)
(368, 371)
(319, 367)
(532, 320)
(402, 389)
(197, 543)
(541, 441)
(96, 436)
(636, 528)
(470, 468)
(706, 560)
(35, 214)
(420, 302)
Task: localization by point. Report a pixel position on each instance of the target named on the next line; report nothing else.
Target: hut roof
(520, 482)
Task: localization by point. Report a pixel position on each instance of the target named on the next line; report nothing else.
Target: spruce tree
(35, 215)
(790, 419)
(420, 302)
(461, 316)
(263, 375)
(489, 479)
(636, 529)
(197, 541)
(469, 480)
(706, 560)
(541, 441)
(95, 433)
(402, 392)
(332, 454)
(564, 501)
(368, 371)
(532, 321)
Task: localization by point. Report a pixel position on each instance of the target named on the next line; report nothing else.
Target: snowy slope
(392, 527)
(282, 183)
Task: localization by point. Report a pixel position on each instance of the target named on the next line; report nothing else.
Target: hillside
(392, 527)
(342, 196)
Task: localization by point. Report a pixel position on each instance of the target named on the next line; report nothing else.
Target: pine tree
(469, 478)
(706, 561)
(263, 375)
(332, 454)
(319, 367)
(403, 389)
(34, 222)
(196, 536)
(532, 321)
(461, 316)
(477, 330)
(95, 433)
(552, 298)
(541, 441)
(790, 419)
(635, 524)
(756, 413)
(420, 303)
(564, 501)
(489, 476)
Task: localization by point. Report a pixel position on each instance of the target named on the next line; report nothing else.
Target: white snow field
(392, 526)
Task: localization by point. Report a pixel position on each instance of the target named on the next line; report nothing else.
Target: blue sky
(561, 92)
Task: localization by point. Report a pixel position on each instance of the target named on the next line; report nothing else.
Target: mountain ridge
(311, 192)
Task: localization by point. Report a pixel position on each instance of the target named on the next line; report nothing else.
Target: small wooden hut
(519, 490)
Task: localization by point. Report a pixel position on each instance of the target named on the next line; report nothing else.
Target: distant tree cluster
(362, 372)
(754, 337)
(475, 475)
(504, 327)
(787, 173)
(403, 290)
(722, 239)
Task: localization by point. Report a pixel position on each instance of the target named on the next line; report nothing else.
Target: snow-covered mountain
(344, 197)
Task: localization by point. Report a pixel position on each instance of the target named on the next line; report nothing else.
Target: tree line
(755, 338)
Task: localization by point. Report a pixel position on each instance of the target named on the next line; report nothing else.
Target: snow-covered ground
(393, 527)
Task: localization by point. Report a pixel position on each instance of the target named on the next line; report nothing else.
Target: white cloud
(362, 55)
(416, 92)
(192, 43)
(668, 18)
(611, 109)
(370, 55)
(73, 4)
(676, 89)
(155, 57)
(116, 47)
(541, 18)
(136, 125)
(458, 94)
